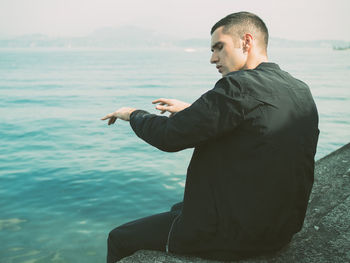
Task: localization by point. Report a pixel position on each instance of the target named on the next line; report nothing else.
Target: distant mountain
(137, 37)
(128, 36)
(107, 37)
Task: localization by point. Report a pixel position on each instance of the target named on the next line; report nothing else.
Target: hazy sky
(291, 19)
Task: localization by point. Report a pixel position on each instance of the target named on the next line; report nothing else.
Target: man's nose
(214, 58)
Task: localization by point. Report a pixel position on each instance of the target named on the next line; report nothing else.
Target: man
(254, 137)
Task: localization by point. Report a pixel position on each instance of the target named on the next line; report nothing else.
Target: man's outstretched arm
(165, 105)
(215, 113)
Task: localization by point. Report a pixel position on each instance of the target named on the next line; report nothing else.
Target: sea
(67, 178)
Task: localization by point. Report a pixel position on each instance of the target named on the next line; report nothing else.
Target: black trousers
(149, 233)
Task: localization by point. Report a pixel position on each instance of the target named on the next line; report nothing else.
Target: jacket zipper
(171, 228)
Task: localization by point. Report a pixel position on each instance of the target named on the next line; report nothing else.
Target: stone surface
(325, 236)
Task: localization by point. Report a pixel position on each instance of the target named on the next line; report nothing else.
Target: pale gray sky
(291, 19)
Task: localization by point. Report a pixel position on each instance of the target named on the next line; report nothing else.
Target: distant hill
(137, 37)
(106, 37)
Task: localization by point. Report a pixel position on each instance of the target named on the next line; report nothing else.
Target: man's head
(239, 41)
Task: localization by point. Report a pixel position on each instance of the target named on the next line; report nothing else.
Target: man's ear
(247, 42)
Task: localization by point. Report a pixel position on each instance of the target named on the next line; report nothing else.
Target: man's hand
(123, 113)
(170, 105)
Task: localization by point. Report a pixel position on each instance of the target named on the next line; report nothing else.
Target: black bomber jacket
(248, 183)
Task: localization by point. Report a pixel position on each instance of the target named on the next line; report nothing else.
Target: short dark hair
(244, 22)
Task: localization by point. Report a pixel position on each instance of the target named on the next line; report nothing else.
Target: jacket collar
(268, 65)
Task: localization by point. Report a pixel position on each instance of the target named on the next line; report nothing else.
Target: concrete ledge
(325, 236)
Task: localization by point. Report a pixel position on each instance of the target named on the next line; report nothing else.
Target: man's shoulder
(228, 85)
(243, 81)
(265, 81)
(263, 69)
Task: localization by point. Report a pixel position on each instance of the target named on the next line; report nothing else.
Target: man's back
(251, 173)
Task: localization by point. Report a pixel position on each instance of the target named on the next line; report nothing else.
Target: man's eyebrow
(216, 45)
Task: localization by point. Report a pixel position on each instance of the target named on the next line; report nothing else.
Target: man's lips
(219, 67)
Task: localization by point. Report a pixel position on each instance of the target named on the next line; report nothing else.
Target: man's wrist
(132, 110)
(138, 112)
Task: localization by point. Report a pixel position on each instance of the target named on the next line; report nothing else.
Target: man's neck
(255, 60)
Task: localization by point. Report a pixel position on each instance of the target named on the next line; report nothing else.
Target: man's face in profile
(227, 52)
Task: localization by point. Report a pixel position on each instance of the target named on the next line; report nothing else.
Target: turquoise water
(67, 178)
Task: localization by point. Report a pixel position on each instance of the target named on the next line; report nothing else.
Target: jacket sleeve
(215, 113)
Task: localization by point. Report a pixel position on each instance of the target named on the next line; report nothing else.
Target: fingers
(107, 116)
(162, 100)
(161, 104)
(162, 108)
(111, 118)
